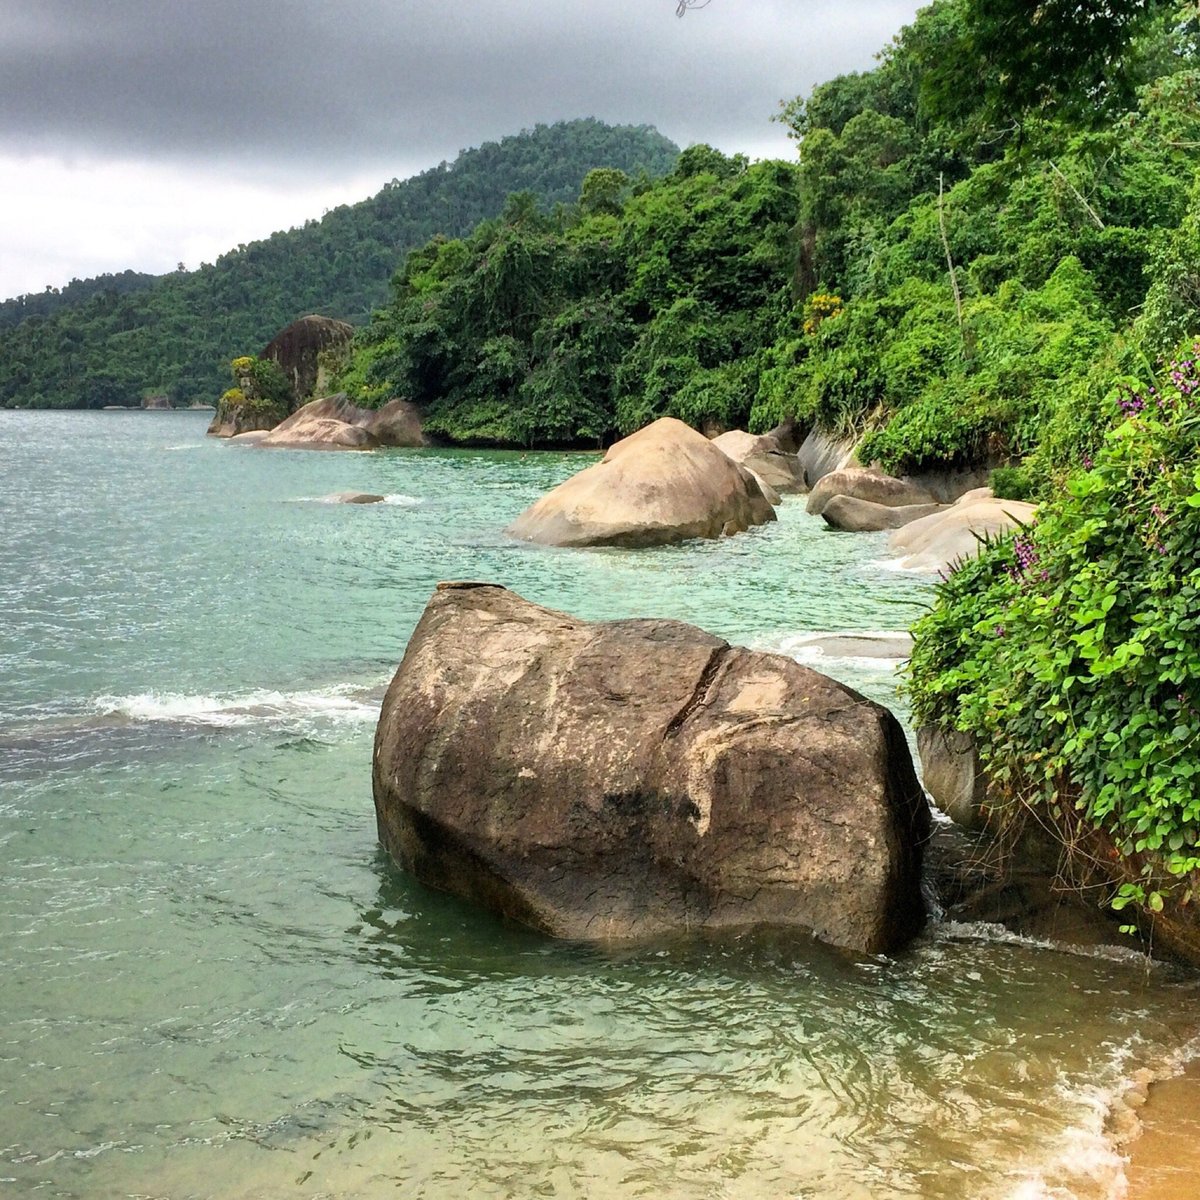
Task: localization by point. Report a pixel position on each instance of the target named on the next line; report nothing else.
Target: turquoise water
(213, 984)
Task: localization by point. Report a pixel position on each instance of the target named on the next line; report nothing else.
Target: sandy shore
(1164, 1160)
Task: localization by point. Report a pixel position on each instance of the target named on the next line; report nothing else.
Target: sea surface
(213, 984)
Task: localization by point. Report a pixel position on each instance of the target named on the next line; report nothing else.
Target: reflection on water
(214, 985)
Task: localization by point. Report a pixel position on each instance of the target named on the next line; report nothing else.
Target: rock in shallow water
(353, 498)
(630, 778)
(663, 484)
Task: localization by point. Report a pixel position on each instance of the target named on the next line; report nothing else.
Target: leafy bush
(1071, 651)
(1012, 483)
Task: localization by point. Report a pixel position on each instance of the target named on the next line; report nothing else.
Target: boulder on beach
(762, 455)
(866, 483)
(665, 483)
(952, 776)
(935, 543)
(851, 515)
(334, 423)
(251, 437)
(628, 779)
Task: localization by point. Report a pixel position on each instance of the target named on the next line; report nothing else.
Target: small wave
(339, 704)
(868, 650)
(987, 931)
(186, 446)
(398, 499)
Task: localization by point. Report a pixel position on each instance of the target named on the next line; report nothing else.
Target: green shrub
(1071, 651)
(1012, 483)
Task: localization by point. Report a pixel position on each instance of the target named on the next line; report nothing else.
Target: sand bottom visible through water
(1164, 1156)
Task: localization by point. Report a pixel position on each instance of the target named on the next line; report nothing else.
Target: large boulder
(318, 433)
(334, 423)
(851, 515)
(866, 483)
(762, 455)
(820, 453)
(298, 348)
(396, 423)
(630, 778)
(935, 543)
(663, 484)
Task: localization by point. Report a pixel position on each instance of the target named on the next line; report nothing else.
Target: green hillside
(90, 345)
(951, 271)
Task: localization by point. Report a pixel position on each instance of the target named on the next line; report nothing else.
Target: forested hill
(978, 235)
(110, 341)
(77, 292)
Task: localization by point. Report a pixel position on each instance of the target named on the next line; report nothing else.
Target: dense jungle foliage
(113, 339)
(951, 271)
(642, 300)
(1071, 652)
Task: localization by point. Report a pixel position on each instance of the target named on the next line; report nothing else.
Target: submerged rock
(353, 498)
(855, 645)
(665, 483)
(629, 778)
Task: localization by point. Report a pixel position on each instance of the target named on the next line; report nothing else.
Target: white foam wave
(341, 704)
(987, 931)
(866, 650)
(399, 499)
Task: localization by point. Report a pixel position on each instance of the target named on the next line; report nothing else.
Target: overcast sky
(142, 133)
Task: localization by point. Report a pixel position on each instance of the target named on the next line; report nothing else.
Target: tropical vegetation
(114, 339)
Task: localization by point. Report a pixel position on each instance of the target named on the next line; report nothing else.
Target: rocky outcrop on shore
(334, 423)
(298, 349)
(663, 484)
(763, 456)
(626, 779)
(820, 453)
(233, 420)
(935, 543)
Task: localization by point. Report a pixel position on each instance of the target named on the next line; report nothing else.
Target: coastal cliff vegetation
(978, 234)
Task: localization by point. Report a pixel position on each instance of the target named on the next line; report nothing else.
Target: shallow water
(214, 985)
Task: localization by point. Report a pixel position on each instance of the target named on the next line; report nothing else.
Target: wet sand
(1164, 1161)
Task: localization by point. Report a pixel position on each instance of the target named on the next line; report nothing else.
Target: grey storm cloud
(284, 83)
